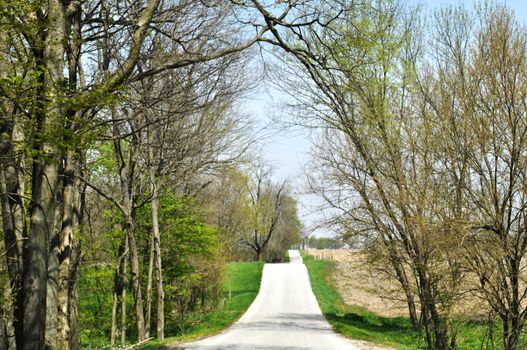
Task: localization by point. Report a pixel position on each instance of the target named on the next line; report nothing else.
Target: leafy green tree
(193, 271)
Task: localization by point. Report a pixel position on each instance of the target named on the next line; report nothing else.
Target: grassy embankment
(241, 287)
(358, 323)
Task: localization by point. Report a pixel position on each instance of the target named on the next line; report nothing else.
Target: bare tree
(264, 210)
(378, 160)
(481, 88)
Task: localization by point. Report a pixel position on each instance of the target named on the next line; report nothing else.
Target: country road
(284, 315)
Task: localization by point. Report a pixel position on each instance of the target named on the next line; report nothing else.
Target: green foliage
(96, 293)
(239, 289)
(192, 266)
(192, 259)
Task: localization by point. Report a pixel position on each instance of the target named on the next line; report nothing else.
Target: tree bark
(70, 206)
(149, 289)
(12, 187)
(3, 330)
(73, 296)
(115, 303)
(156, 239)
(119, 297)
(123, 297)
(52, 303)
(136, 284)
(49, 53)
(36, 260)
(126, 178)
(160, 324)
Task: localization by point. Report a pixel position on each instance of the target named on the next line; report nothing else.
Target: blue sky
(288, 150)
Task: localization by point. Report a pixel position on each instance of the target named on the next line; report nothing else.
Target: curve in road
(284, 316)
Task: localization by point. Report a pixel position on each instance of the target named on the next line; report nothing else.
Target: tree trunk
(120, 296)
(149, 290)
(73, 297)
(12, 190)
(3, 330)
(259, 254)
(75, 261)
(127, 178)
(156, 239)
(52, 302)
(425, 321)
(439, 326)
(412, 312)
(123, 298)
(70, 206)
(403, 280)
(7, 333)
(36, 260)
(511, 331)
(48, 55)
(136, 284)
(158, 268)
(115, 303)
(52, 305)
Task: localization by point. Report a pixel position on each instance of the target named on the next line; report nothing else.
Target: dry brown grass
(360, 284)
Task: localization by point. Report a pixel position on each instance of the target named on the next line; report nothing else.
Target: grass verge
(358, 323)
(241, 287)
(354, 321)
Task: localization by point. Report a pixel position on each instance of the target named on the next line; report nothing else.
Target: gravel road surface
(284, 316)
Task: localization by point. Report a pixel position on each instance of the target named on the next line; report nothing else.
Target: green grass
(354, 321)
(241, 287)
(358, 323)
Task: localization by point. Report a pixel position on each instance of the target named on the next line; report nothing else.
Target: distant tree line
(324, 243)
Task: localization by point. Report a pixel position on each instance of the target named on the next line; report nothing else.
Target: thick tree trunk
(51, 303)
(71, 204)
(512, 329)
(259, 255)
(12, 190)
(75, 261)
(44, 179)
(51, 335)
(432, 318)
(36, 259)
